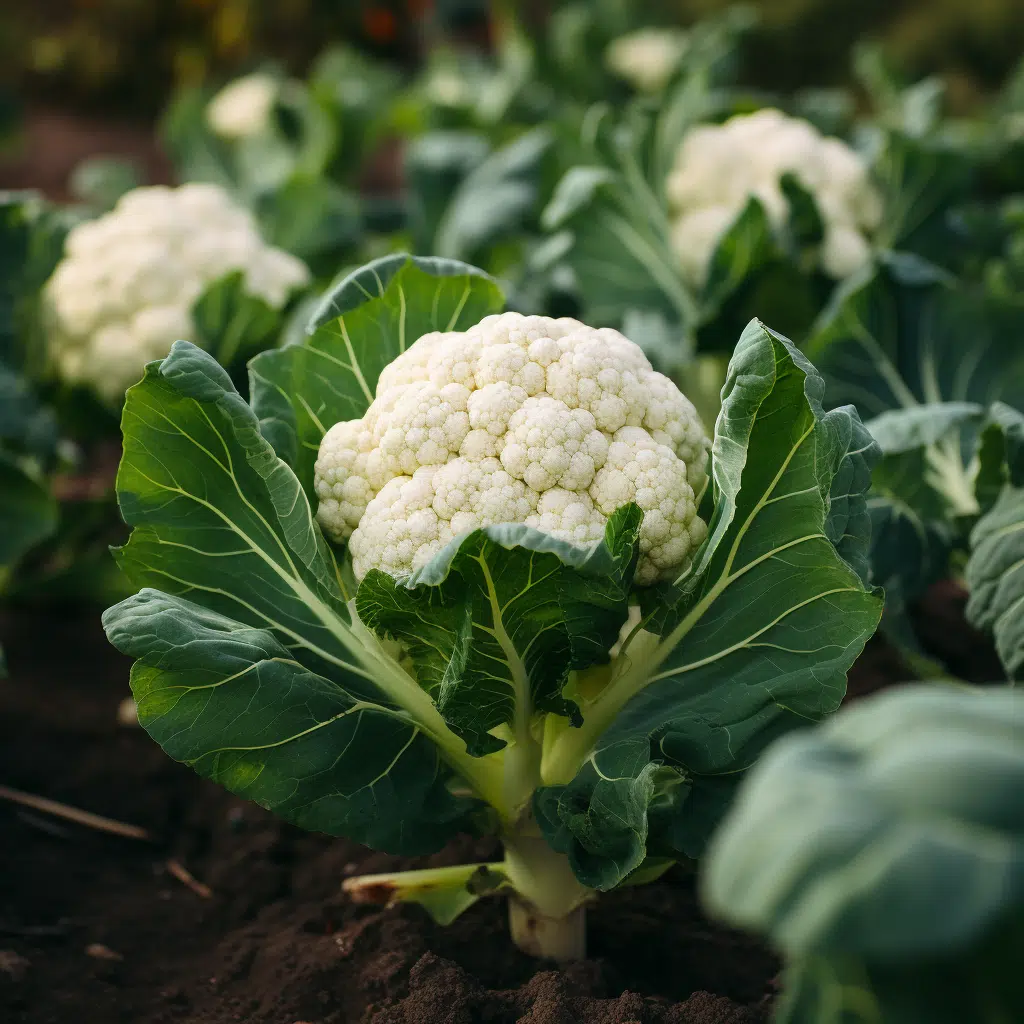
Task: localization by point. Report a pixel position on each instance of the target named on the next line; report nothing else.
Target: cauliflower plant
(647, 58)
(521, 419)
(124, 291)
(243, 107)
(719, 167)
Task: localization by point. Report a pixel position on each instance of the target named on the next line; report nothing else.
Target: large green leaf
(912, 535)
(497, 620)
(924, 358)
(300, 391)
(620, 254)
(917, 427)
(314, 219)
(497, 198)
(902, 336)
(920, 180)
(764, 627)
(995, 578)
(223, 529)
(882, 853)
(234, 703)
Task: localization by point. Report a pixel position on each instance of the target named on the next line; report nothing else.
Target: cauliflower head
(719, 167)
(647, 58)
(123, 293)
(522, 419)
(243, 107)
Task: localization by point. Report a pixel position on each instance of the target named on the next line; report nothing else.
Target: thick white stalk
(547, 907)
(553, 938)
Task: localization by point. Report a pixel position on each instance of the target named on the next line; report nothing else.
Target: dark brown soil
(97, 929)
(52, 143)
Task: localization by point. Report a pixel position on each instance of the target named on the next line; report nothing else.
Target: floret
(123, 293)
(520, 419)
(719, 167)
(243, 107)
(647, 58)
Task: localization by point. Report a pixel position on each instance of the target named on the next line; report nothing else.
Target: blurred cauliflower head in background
(243, 107)
(123, 294)
(520, 419)
(647, 58)
(719, 167)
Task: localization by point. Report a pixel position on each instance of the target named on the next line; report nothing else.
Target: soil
(228, 915)
(51, 143)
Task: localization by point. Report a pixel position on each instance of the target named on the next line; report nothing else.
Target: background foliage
(125, 56)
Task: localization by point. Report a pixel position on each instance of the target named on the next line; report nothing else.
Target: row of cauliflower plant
(502, 570)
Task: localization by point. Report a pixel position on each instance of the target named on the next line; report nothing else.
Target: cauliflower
(243, 107)
(718, 167)
(521, 419)
(124, 291)
(647, 58)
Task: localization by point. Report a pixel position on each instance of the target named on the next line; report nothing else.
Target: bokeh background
(83, 76)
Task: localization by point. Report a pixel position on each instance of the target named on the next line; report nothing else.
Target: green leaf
(28, 512)
(224, 530)
(902, 336)
(911, 538)
(31, 245)
(494, 623)
(362, 324)
(576, 190)
(915, 787)
(1000, 453)
(995, 578)
(445, 893)
(231, 324)
(842, 836)
(903, 430)
(600, 820)
(743, 249)
(806, 227)
(496, 199)
(620, 254)
(436, 164)
(312, 218)
(232, 701)
(774, 610)
(920, 180)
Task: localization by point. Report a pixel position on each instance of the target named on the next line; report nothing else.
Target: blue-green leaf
(995, 578)
(882, 852)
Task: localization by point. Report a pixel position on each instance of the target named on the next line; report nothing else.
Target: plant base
(556, 938)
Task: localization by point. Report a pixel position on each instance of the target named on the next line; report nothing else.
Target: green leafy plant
(881, 853)
(479, 693)
(290, 150)
(938, 368)
(30, 238)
